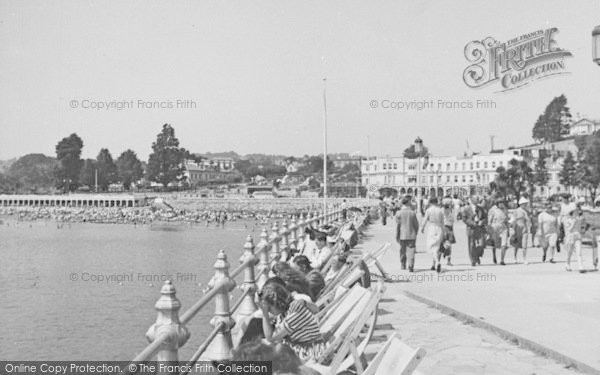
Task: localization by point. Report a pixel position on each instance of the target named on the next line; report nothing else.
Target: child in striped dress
(296, 325)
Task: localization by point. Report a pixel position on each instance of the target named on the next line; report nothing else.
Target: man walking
(475, 218)
(548, 228)
(383, 210)
(407, 227)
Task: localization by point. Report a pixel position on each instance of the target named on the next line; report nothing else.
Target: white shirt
(318, 257)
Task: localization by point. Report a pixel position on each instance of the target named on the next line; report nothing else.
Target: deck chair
(333, 314)
(395, 358)
(344, 346)
(372, 259)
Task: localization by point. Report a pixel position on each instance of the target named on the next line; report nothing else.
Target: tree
(314, 165)
(554, 122)
(107, 169)
(541, 175)
(7, 183)
(68, 153)
(588, 169)
(515, 180)
(410, 152)
(34, 171)
(129, 168)
(87, 176)
(165, 164)
(568, 176)
(243, 166)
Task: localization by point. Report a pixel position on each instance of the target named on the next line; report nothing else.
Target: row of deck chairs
(348, 316)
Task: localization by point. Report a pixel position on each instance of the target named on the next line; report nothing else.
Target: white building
(439, 175)
(584, 127)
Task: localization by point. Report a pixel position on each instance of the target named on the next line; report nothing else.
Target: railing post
(220, 347)
(294, 235)
(285, 250)
(167, 323)
(276, 251)
(263, 256)
(248, 307)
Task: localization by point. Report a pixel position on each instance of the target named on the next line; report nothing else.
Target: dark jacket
(407, 225)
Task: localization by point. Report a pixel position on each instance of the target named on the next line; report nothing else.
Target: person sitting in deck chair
(296, 325)
(320, 254)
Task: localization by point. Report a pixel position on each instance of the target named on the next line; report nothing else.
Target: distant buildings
(214, 170)
(584, 127)
(467, 175)
(439, 175)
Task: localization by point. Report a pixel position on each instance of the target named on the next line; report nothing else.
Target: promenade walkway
(545, 308)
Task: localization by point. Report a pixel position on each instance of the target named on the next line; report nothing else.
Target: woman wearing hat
(520, 224)
(498, 224)
(574, 225)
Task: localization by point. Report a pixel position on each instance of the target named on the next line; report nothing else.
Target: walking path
(545, 308)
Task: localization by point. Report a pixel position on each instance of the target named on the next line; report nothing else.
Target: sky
(254, 72)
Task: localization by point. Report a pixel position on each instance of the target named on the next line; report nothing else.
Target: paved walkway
(540, 302)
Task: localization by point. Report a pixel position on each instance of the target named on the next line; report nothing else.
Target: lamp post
(418, 150)
(596, 45)
(369, 169)
(325, 146)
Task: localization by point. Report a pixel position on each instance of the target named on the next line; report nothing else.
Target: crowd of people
(286, 322)
(133, 215)
(490, 223)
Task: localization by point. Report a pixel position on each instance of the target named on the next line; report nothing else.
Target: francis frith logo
(514, 63)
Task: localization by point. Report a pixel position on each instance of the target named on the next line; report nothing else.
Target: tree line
(68, 172)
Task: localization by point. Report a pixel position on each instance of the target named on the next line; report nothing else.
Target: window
(477, 165)
(448, 166)
(455, 178)
(464, 178)
(463, 166)
(430, 179)
(485, 164)
(395, 166)
(384, 165)
(412, 166)
(501, 162)
(448, 178)
(493, 164)
(455, 166)
(439, 166)
(471, 165)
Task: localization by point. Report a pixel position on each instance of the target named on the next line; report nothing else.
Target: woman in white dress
(434, 221)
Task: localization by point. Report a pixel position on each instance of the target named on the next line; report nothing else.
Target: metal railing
(169, 333)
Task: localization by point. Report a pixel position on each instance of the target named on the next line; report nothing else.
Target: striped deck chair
(395, 358)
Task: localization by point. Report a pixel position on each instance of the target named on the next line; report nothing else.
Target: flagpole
(325, 146)
(369, 183)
